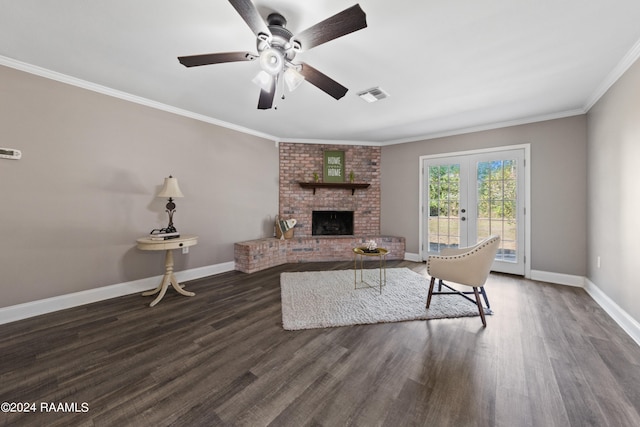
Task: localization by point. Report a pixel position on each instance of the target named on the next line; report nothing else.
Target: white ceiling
(449, 65)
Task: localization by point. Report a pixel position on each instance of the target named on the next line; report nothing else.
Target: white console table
(148, 244)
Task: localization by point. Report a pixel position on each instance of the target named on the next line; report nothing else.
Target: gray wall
(85, 188)
(558, 188)
(614, 192)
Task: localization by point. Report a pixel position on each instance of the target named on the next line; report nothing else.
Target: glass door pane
(497, 204)
(443, 217)
(497, 197)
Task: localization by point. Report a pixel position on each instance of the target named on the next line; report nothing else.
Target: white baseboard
(621, 317)
(209, 270)
(48, 305)
(558, 278)
(408, 256)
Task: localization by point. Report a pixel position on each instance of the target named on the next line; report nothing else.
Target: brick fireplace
(298, 163)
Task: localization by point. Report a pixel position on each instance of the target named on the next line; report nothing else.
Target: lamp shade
(293, 78)
(170, 188)
(263, 80)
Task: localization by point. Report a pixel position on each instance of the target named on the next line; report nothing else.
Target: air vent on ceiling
(374, 94)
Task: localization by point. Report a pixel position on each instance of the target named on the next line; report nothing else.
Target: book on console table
(164, 236)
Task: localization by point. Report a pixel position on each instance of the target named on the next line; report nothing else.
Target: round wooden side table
(148, 244)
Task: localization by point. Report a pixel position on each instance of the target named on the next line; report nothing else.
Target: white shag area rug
(320, 299)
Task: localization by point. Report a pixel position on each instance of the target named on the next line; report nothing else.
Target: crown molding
(73, 81)
(629, 59)
(625, 63)
(489, 126)
(330, 142)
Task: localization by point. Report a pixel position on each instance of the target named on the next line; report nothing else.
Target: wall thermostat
(10, 153)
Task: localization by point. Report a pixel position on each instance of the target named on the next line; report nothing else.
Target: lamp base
(171, 209)
(170, 229)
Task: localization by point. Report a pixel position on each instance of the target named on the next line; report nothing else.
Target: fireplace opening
(331, 223)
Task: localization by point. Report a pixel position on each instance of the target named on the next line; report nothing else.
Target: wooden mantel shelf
(349, 185)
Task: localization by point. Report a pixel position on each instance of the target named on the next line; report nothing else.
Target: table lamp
(170, 190)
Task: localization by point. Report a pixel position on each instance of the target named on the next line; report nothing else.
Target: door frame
(527, 196)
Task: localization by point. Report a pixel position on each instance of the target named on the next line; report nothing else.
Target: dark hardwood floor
(548, 357)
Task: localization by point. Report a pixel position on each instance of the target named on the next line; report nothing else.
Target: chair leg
(484, 295)
(433, 282)
(440, 283)
(480, 308)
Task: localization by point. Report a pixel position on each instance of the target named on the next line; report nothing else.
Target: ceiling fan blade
(251, 16)
(266, 97)
(322, 81)
(340, 24)
(215, 58)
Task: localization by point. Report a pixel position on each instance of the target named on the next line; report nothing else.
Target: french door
(469, 197)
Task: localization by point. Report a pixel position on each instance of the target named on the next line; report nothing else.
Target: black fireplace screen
(331, 223)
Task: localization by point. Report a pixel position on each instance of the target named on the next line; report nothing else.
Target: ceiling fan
(277, 47)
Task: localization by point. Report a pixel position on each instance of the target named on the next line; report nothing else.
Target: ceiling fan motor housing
(280, 37)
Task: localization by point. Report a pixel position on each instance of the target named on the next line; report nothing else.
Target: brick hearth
(256, 255)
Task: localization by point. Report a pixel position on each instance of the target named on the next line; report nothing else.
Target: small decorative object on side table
(370, 249)
(168, 245)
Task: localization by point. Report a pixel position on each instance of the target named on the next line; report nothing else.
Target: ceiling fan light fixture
(263, 80)
(293, 78)
(277, 47)
(271, 61)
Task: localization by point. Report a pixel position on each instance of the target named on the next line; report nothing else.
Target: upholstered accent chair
(465, 266)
